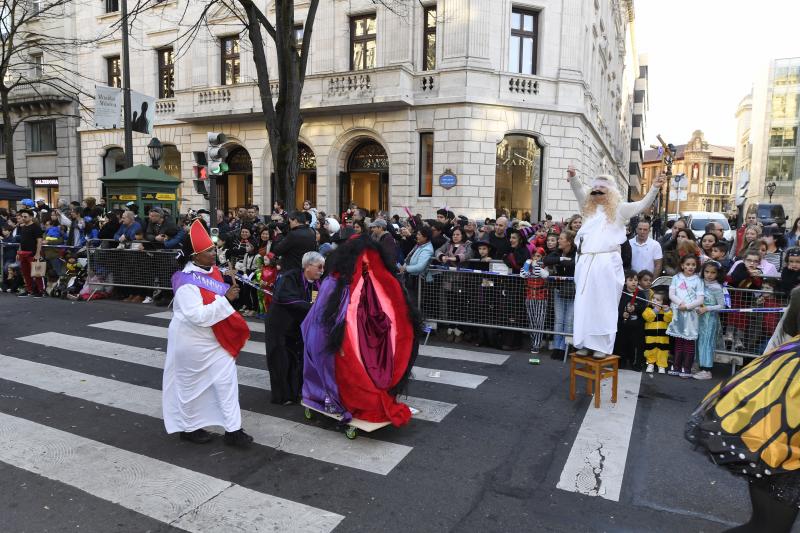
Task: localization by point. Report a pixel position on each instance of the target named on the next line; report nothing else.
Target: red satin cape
(231, 333)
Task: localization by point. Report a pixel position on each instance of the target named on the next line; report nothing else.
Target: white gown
(599, 276)
(200, 387)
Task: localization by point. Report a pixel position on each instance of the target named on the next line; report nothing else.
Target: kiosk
(145, 186)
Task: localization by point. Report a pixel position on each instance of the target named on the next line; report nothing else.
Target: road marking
(457, 379)
(291, 437)
(443, 352)
(257, 327)
(447, 377)
(596, 463)
(171, 494)
(429, 410)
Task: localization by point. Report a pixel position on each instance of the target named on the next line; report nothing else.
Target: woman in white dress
(598, 273)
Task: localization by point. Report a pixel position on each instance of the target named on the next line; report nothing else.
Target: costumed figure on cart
(200, 387)
(598, 273)
(361, 340)
(750, 424)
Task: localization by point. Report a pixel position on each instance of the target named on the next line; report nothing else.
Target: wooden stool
(594, 370)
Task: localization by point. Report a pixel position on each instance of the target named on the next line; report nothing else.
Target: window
(780, 168)
(114, 71)
(725, 188)
(429, 39)
(426, 164)
(230, 60)
(718, 169)
(716, 187)
(522, 48)
(112, 6)
(711, 169)
(726, 170)
(708, 187)
(41, 136)
(362, 42)
(166, 73)
(2, 140)
(36, 65)
(783, 137)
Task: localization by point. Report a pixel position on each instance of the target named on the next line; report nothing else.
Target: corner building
(503, 94)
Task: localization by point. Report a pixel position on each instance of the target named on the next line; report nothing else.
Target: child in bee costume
(656, 317)
(750, 424)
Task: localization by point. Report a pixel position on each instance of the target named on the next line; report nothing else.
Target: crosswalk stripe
(256, 327)
(171, 494)
(596, 462)
(291, 437)
(441, 352)
(444, 352)
(429, 410)
(457, 379)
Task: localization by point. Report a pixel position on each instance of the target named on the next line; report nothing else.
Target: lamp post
(155, 149)
(771, 190)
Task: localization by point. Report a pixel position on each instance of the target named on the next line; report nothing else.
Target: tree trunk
(8, 136)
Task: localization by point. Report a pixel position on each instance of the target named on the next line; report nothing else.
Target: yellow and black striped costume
(656, 342)
(751, 422)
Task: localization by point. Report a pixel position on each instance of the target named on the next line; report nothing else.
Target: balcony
(38, 97)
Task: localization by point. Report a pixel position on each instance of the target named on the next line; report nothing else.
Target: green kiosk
(145, 186)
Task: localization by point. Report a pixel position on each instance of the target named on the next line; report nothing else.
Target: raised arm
(629, 209)
(577, 187)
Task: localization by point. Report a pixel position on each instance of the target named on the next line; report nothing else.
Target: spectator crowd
(674, 283)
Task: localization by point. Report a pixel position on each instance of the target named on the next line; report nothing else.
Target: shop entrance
(366, 182)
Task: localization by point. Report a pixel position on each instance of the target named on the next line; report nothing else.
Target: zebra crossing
(181, 497)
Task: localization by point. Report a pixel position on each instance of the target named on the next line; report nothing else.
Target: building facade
(504, 95)
(641, 102)
(708, 181)
(775, 154)
(44, 108)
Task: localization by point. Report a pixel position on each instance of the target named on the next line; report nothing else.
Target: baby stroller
(71, 282)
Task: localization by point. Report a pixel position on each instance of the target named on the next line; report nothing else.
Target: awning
(12, 191)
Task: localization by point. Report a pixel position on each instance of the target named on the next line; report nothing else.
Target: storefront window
(518, 175)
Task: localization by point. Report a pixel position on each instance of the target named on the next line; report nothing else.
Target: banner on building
(143, 112)
(107, 107)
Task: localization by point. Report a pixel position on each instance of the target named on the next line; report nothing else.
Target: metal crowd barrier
(126, 267)
(461, 297)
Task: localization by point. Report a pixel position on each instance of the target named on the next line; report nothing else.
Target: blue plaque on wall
(448, 179)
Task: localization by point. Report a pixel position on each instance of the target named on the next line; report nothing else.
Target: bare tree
(30, 31)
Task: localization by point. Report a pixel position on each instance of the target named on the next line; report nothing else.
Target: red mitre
(199, 237)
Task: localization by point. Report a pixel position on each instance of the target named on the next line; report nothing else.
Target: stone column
(572, 28)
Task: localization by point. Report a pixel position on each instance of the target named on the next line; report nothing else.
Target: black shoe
(37, 294)
(23, 294)
(198, 436)
(237, 438)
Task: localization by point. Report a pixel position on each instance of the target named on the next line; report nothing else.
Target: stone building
(44, 110)
(774, 155)
(504, 95)
(708, 171)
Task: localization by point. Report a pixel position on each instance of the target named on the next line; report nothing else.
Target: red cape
(231, 333)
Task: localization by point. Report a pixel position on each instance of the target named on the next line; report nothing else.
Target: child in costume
(536, 296)
(686, 293)
(630, 328)
(656, 317)
(709, 323)
(267, 277)
(646, 279)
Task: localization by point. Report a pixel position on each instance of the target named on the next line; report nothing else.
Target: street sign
(448, 180)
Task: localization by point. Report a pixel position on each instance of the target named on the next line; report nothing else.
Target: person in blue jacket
(418, 259)
(128, 229)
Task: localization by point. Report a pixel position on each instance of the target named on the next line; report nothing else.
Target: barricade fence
(132, 267)
(451, 297)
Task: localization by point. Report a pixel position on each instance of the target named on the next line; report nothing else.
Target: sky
(703, 58)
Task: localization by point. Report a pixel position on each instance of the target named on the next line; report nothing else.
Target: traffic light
(216, 153)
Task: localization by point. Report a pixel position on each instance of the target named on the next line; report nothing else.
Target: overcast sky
(703, 57)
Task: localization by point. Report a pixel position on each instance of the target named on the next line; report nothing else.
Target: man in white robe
(200, 386)
(599, 276)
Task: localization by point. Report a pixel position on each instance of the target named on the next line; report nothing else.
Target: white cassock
(599, 276)
(200, 387)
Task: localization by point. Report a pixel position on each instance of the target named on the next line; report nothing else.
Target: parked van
(697, 221)
(769, 214)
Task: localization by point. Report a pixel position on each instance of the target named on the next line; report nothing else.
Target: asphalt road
(492, 463)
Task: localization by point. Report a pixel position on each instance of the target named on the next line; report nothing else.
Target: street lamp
(156, 150)
(771, 190)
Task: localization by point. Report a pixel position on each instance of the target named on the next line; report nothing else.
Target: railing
(359, 84)
(165, 107)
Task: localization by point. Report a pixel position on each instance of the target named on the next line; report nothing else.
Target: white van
(698, 219)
